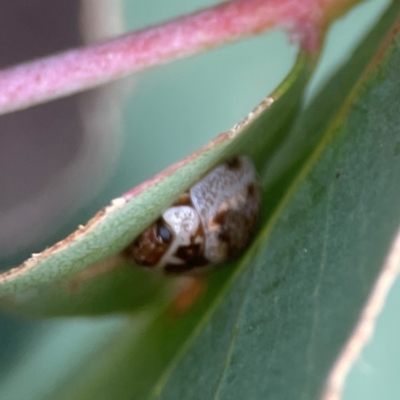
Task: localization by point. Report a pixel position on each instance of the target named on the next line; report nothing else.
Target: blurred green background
(162, 115)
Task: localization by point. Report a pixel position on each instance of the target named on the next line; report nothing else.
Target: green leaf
(117, 225)
(273, 327)
(108, 287)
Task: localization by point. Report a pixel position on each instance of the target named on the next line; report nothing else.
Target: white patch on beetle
(184, 222)
(209, 224)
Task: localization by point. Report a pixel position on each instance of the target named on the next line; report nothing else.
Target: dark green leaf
(273, 327)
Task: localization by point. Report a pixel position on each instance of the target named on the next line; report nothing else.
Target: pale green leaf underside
(113, 228)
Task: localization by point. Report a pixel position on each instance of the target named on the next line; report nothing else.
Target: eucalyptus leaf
(260, 135)
(273, 327)
(109, 287)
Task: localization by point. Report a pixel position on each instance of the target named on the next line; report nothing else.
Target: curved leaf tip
(114, 227)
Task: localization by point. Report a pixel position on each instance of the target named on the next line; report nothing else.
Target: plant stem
(76, 70)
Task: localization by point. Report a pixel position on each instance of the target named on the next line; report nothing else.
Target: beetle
(210, 223)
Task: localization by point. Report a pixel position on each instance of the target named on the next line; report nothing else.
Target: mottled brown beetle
(207, 225)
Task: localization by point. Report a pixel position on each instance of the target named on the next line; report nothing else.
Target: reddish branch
(76, 70)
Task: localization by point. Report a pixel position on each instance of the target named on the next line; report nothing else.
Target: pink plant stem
(77, 70)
